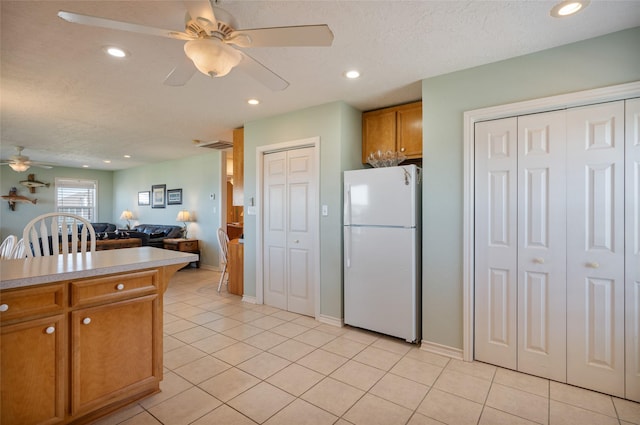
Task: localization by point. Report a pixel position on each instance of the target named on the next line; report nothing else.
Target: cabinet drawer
(189, 246)
(30, 302)
(111, 288)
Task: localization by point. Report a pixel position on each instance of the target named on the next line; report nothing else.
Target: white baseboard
(329, 320)
(249, 299)
(443, 350)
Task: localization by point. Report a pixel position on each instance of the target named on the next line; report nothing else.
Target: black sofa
(103, 227)
(155, 234)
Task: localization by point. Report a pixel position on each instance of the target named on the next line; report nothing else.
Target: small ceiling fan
(210, 33)
(20, 163)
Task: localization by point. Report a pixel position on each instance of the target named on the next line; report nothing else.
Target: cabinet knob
(538, 260)
(120, 286)
(401, 149)
(593, 265)
(86, 320)
(50, 330)
(4, 307)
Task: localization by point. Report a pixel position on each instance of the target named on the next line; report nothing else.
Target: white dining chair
(223, 240)
(7, 247)
(18, 250)
(57, 233)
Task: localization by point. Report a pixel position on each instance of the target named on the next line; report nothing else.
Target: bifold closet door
(542, 245)
(632, 250)
(595, 247)
(496, 244)
(520, 251)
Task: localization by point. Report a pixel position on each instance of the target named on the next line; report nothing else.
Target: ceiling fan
(211, 34)
(20, 163)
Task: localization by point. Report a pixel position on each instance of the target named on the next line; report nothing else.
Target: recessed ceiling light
(107, 161)
(253, 102)
(352, 74)
(116, 52)
(127, 156)
(568, 7)
(85, 166)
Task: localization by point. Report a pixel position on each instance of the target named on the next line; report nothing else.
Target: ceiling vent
(216, 144)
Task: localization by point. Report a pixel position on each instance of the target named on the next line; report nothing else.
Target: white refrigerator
(382, 261)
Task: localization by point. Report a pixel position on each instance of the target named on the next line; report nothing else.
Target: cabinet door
(409, 130)
(378, 132)
(116, 352)
(32, 373)
(238, 167)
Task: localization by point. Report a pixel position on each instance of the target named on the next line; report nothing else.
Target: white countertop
(38, 270)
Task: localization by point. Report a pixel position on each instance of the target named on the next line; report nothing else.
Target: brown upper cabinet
(238, 167)
(398, 128)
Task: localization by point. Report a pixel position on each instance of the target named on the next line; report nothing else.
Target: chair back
(18, 250)
(57, 233)
(223, 240)
(7, 247)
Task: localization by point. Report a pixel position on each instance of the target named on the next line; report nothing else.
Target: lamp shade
(126, 215)
(211, 56)
(19, 166)
(184, 216)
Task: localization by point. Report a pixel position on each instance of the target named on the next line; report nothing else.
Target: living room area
(202, 181)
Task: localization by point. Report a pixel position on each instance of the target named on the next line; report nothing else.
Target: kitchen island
(81, 334)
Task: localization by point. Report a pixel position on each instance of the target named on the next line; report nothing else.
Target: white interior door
(290, 210)
(496, 242)
(632, 250)
(595, 247)
(542, 245)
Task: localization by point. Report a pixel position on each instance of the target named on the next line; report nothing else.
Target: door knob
(296, 241)
(593, 265)
(538, 260)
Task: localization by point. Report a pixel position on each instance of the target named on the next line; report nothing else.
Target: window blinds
(76, 197)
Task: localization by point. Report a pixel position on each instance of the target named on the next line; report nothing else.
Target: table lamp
(185, 218)
(127, 215)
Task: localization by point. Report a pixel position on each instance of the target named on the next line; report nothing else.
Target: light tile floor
(229, 362)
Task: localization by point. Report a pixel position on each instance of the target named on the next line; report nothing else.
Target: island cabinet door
(32, 372)
(116, 352)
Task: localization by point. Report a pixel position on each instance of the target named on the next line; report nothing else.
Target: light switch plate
(251, 210)
(325, 210)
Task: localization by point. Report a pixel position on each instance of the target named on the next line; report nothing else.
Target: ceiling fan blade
(261, 73)
(201, 11)
(122, 26)
(297, 36)
(181, 73)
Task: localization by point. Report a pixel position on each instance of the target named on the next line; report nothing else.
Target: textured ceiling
(68, 103)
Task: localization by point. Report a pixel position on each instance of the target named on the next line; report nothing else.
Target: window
(77, 197)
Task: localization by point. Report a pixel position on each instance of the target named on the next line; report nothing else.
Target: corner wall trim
(329, 320)
(249, 299)
(443, 350)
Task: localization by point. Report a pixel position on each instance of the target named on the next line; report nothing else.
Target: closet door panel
(496, 242)
(595, 247)
(632, 248)
(542, 245)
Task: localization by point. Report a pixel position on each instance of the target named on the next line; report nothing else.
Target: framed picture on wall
(174, 197)
(158, 192)
(144, 198)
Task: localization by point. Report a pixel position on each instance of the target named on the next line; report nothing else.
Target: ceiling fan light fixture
(211, 56)
(19, 166)
(568, 8)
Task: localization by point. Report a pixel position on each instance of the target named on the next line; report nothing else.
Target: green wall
(13, 222)
(198, 177)
(603, 61)
(339, 128)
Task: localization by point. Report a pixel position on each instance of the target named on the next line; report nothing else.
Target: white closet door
(632, 238)
(595, 247)
(496, 242)
(542, 245)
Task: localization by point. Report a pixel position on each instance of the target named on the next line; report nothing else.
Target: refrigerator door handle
(347, 246)
(347, 208)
